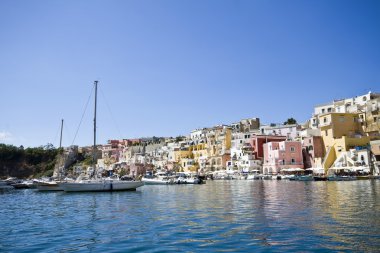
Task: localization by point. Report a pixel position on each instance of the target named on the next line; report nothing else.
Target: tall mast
(94, 147)
(60, 140)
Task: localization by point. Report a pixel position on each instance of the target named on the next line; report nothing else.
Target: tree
(179, 138)
(290, 121)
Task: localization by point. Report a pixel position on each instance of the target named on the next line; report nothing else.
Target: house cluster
(341, 134)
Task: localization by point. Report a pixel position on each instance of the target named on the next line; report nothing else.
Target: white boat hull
(254, 177)
(150, 181)
(101, 186)
(47, 185)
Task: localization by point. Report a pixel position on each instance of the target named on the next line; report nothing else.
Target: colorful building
(218, 140)
(313, 151)
(340, 133)
(282, 155)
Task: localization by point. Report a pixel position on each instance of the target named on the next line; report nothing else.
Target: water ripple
(221, 216)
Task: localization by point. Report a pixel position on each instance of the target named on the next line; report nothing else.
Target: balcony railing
(289, 163)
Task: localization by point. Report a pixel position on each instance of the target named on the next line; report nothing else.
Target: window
(329, 109)
(341, 119)
(326, 133)
(364, 98)
(292, 149)
(324, 120)
(323, 110)
(293, 161)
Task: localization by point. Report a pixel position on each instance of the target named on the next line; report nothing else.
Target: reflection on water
(246, 216)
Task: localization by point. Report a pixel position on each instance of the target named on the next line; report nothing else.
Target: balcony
(288, 163)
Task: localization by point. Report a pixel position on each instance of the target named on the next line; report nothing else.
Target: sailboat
(49, 185)
(99, 184)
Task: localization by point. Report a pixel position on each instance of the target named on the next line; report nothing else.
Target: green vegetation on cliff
(29, 162)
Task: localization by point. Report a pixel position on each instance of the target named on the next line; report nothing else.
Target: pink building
(282, 155)
(257, 142)
(313, 150)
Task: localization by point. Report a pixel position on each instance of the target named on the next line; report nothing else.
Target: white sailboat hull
(156, 181)
(101, 186)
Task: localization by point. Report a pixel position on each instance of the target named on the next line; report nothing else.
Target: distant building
(341, 132)
(349, 105)
(313, 151)
(246, 125)
(218, 147)
(282, 155)
(290, 131)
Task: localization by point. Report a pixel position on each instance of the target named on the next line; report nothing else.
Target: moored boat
(25, 184)
(101, 185)
(302, 178)
(48, 185)
(157, 181)
(254, 175)
(188, 179)
(341, 178)
(320, 178)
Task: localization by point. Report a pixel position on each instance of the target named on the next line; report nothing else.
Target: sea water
(219, 216)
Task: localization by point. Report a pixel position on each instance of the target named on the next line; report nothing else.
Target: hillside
(27, 163)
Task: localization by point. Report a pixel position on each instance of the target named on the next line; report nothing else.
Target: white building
(348, 105)
(242, 158)
(290, 131)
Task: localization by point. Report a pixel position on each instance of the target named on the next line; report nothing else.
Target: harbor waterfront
(232, 215)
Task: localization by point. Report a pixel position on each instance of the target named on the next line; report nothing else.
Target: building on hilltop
(246, 125)
(349, 105)
(290, 131)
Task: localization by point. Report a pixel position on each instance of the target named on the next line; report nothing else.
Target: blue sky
(168, 67)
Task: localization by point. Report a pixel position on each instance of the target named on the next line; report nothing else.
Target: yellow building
(199, 151)
(218, 147)
(188, 165)
(371, 119)
(341, 132)
(181, 153)
(191, 158)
